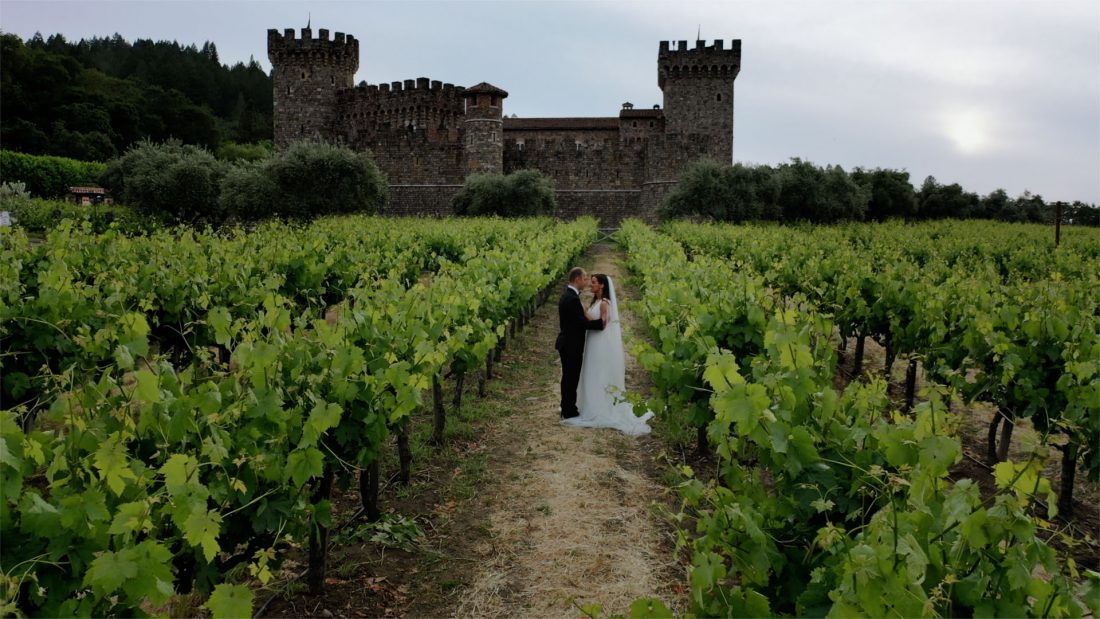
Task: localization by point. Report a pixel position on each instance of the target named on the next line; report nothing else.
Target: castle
(427, 136)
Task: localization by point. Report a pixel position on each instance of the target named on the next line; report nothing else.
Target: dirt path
(565, 515)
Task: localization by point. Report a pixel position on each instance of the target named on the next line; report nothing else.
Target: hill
(91, 99)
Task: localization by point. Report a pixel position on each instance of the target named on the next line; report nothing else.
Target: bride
(603, 373)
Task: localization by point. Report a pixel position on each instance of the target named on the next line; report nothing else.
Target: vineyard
(182, 411)
(181, 404)
(844, 503)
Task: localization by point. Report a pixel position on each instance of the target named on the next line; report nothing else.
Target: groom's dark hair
(575, 273)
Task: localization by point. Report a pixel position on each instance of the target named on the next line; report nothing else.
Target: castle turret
(307, 73)
(484, 129)
(698, 91)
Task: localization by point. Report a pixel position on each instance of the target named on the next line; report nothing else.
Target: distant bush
(41, 216)
(170, 180)
(248, 192)
(313, 179)
(233, 151)
(46, 176)
(710, 190)
(891, 193)
(819, 195)
(188, 184)
(525, 193)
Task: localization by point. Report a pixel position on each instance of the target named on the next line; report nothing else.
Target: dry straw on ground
(571, 516)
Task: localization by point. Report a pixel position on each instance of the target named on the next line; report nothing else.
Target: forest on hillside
(92, 99)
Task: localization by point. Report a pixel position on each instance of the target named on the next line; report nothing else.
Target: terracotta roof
(485, 88)
(96, 190)
(529, 124)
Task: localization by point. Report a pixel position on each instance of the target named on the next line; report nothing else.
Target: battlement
(342, 48)
(701, 61)
(420, 83)
(701, 47)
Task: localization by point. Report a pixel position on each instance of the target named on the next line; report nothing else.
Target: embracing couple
(590, 343)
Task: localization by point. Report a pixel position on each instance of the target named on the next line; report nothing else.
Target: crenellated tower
(483, 129)
(698, 91)
(308, 73)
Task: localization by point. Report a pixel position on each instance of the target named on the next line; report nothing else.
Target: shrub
(46, 176)
(248, 192)
(233, 151)
(724, 193)
(41, 216)
(524, 193)
(936, 201)
(891, 193)
(314, 179)
(819, 195)
(173, 180)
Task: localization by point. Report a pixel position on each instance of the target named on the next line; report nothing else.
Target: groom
(572, 323)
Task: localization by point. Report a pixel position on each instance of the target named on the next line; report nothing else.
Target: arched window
(719, 96)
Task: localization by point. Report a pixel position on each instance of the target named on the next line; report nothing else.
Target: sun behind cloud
(969, 130)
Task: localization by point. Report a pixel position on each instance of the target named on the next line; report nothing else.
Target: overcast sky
(987, 94)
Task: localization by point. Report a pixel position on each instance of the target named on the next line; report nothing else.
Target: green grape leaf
(302, 464)
(230, 602)
(939, 453)
(130, 518)
(179, 472)
(148, 387)
(220, 320)
(202, 528)
(113, 464)
(325, 415)
(649, 609)
(154, 578)
(109, 570)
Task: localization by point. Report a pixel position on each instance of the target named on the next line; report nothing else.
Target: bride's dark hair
(603, 282)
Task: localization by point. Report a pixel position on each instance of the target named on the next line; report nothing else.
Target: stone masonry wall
(573, 163)
(409, 157)
(420, 200)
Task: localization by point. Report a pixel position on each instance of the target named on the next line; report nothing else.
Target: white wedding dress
(603, 378)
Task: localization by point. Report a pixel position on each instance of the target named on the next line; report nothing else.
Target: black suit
(573, 324)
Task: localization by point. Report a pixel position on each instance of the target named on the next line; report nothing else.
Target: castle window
(719, 96)
(288, 90)
(634, 123)
(493, 101)
(651, 122)
(332, 80)
(303, 75)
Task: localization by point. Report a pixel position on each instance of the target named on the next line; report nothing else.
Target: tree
(315, 179)
(171, 180)
(936, 201)
(523, 193)
(994, 205)
(703, 191)
(810, 193)
(891, 193)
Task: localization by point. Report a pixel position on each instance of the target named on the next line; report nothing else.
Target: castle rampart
(427, 135)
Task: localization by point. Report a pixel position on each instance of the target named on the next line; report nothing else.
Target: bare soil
(1077, 535)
